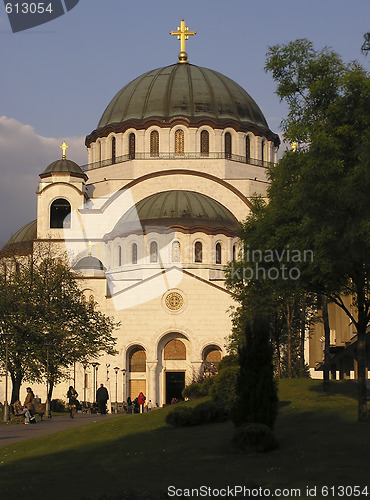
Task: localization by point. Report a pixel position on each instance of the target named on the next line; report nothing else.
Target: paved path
(13, 433)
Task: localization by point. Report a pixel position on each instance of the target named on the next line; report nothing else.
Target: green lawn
(138, 456)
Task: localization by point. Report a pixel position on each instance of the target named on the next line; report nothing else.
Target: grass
(138, 456)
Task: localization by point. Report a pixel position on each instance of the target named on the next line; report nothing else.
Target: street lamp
(6, 414)
(85, 364)
(95, 366)
(124, 384)
(116, 370)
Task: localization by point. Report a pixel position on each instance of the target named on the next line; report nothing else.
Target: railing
(175, 156)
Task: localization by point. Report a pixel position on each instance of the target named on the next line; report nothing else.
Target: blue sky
(57, 79)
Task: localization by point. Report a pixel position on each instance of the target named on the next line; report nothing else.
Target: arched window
(119, 256)
(262, 151)
(218, 253)
(131, 146)
(60, 214)
(174, 349)
(204, 143)
(247, 149)
(179, 142)
(91, 301)
(137, 360)
(98, 151)
(134, 253)
(212, 357)
(176, 253)
(228, 145)
(113, 147)
(198, 252)
(154, 251)
(234, 252)
(154, 143)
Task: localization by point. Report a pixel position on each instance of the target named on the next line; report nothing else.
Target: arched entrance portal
(174, 351)
(173, 366)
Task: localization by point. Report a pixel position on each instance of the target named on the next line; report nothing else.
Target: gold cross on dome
(182, 34)
(64, 147)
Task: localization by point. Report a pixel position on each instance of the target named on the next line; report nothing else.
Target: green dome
(63, 165)
(23, 238)
(182, 90)
(183, 210)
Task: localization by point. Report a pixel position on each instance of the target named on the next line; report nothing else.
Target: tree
(256, 394)
(47, 319)
(319, 194)
(263, 282)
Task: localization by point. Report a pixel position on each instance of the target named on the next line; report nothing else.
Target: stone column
(152, 390)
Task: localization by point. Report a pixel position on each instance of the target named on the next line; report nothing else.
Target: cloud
(23, 156)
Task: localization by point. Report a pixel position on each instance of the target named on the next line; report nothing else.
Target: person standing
(102, 397)
(141, 400)
(72, 401)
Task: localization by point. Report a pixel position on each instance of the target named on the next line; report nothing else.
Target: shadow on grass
(346, 388)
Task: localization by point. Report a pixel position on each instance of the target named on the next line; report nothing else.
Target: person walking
(28, 407)
(72, 401)
(102, 397)
(141, 400)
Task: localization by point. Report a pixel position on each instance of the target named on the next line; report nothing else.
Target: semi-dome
(183, 90)
(89, 263)
(63, 166)
(186, 211)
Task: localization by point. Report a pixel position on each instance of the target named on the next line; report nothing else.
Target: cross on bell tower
(183, 34)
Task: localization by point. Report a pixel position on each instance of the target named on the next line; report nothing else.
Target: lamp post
(84, 364)
(116, 370)
(95, 372)
(124, 384)
(6, 413)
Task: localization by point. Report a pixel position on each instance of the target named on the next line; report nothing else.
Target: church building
(150, 223)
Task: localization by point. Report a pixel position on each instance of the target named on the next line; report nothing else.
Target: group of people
(102, 397)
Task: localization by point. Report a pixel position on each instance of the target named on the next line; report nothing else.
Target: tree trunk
(362, 355)
(325, 318)
(16, 385)
(289, 328)
(303, 336)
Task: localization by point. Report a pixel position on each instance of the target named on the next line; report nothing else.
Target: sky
(57, 78)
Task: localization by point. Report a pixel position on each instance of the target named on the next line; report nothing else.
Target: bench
(39, 409)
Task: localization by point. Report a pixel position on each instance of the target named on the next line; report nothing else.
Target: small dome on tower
(63, 165)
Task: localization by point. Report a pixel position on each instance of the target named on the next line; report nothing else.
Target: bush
(227, 361)
(207, 384)
(223, 389)
(57, 405)
(254, 437)
(193, 391)
(180, 416)
(204, 413)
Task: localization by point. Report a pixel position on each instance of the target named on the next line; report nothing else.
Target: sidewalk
(13, 433)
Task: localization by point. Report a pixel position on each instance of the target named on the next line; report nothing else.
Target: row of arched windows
(180, 145)
(175, 253)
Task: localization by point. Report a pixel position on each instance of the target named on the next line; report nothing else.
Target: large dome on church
(183, 90)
